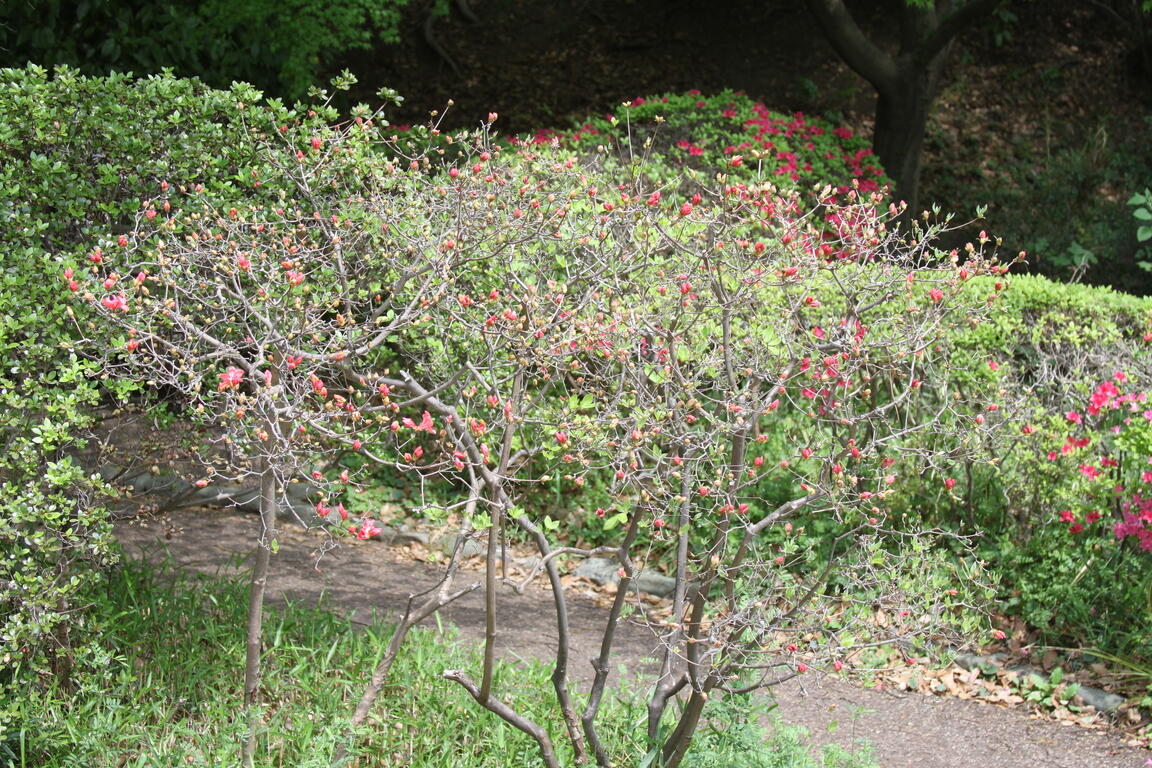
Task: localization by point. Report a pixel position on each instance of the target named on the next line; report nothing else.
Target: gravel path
(907, 730)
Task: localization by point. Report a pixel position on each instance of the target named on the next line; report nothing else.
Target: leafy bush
(278, 46)
(1043, 356)
(77, 157)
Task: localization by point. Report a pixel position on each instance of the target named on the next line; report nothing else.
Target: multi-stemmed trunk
(259, 582)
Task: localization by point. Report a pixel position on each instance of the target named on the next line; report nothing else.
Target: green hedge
(1053, 343)
(77, 157)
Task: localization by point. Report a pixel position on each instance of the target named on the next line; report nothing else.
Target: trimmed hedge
(77, 157)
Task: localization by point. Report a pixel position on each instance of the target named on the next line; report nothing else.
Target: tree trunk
(677, 745)
(905, 83)
(901, 122)
(268, 509)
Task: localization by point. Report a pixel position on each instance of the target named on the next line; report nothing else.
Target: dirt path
(906, 730)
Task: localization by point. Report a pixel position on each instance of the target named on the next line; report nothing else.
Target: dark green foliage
(1063, 199)
(279, 46)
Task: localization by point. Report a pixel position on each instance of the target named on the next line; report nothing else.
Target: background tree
(906, 81)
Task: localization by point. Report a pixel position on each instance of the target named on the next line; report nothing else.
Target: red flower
(115, 302)
(231, 378)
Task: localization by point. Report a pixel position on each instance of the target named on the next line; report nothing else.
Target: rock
(470, 548)
(974, 660)
(602, 570)
(246, 499)
(406, 535)
(530, 563)
(1100, 699)
(299, 491)
(599, 570)
(653, 583)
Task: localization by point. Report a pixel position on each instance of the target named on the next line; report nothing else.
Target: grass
(161, 688)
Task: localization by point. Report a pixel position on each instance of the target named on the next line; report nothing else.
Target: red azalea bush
(684, 140)
(730, 133)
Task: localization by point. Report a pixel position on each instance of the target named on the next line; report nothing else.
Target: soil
(906, 730)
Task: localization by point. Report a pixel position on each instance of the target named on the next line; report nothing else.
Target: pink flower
(936, 295)
(425, 424)
(231, 378)
(367, 530)
(1089, 471)
(950, 483)
(1074, 417)
(1067, 516)
(115, 302)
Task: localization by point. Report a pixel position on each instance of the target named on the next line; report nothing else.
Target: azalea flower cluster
(1137, 522)
(1111, 424)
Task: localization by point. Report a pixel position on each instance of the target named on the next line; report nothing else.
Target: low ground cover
(140, 704)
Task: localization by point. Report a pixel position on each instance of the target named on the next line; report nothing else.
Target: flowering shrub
(682, 141)
(1049, 505)
(548, 319)
(670, 134)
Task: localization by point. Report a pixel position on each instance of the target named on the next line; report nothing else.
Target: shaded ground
(906, 730)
